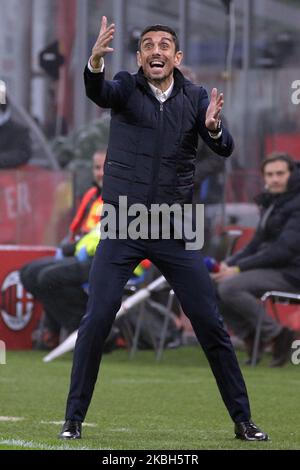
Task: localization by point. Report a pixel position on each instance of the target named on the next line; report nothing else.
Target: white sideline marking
(11, 418)
(59, 423)
(120, 430)
(37, 445)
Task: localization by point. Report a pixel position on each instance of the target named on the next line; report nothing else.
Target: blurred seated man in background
(15, 146)
(59, 285)
(66, 266)
(271, 261)
(62, 287)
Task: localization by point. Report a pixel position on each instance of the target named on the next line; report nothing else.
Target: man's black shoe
(282, 347)
(248, 431)
(71, 430)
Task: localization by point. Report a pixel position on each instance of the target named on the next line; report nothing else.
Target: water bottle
(212, 264)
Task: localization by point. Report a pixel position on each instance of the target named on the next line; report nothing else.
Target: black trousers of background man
(57, 284)
(112, 266)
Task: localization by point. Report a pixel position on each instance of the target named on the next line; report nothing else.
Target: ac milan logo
(17, 304)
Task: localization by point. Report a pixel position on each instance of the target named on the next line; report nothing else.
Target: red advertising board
(19, 312)
(35, 206)
(289, 143)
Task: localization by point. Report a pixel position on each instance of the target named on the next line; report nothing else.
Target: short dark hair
(278, 157)
(160, 27)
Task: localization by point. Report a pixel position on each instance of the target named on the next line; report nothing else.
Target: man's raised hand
(101, 46)
(214, 109)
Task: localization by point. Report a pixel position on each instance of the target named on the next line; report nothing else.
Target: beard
(159, 80)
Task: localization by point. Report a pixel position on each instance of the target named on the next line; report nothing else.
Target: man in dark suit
(157, 115)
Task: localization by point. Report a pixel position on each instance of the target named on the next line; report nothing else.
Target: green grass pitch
(142, 404)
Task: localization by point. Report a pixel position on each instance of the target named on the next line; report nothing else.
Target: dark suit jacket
(15, 148)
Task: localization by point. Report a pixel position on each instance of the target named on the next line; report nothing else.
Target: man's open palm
(101, 46)
(214, 109)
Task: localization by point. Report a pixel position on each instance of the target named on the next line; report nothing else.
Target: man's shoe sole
(242, 438)
(68, 438)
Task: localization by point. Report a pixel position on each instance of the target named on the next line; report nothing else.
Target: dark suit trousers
(113, 264)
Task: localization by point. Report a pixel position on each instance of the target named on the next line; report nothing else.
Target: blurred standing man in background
(157, 115)
(89, 211)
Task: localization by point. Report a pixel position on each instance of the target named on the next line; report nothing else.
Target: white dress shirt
(162, 96)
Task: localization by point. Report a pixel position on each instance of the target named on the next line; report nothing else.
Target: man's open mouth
(156, 64)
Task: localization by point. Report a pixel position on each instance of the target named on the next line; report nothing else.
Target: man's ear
(178, 58)
(138, 58)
